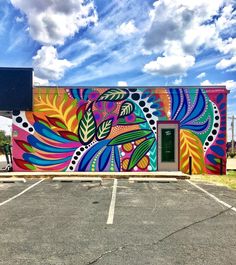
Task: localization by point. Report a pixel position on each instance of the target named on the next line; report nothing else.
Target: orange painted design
(125, 163)
(165, 99)
(138, 142)
(191, 145)
(127, 147)
(49, 103)
(143, 163)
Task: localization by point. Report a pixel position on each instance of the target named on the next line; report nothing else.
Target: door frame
(178, 138)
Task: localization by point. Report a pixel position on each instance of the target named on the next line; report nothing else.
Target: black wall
(16, 89)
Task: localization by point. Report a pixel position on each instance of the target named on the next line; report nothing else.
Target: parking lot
(116, 222)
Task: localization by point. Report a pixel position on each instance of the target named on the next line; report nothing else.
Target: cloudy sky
(110, 42)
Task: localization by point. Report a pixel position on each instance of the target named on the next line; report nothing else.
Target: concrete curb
(105, 175)
(10, 180)
(77, 179)
(162, 180)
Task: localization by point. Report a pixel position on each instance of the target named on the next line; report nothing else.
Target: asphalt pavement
(152, 223)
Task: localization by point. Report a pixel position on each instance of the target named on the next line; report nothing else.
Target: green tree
(4, 139)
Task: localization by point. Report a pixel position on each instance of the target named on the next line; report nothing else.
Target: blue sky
(111, 42)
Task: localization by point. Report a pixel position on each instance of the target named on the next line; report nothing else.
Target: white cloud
(201, 75)
(19, 19)
(185, 28)
(230, 84)
(47, 65)
(122, 83)
(178, 81)
(51, 22)
(206, 83)
(126, 28)
(170, 65)
(39, 81)
(226, 63)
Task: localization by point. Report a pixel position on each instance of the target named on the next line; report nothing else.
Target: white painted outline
(19, 194)
(112, 204)
(212, 196)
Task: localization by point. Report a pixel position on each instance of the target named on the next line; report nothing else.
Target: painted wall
(114, 129)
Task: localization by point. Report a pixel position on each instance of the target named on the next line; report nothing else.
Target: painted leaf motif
(190, 145)
(25, 146)
(114, 94)
(138, 120)
(57, 122)
(104, 129)
(80, 112)
(104, 158)
(37, 119)
(24, 164)
(69, 135)
(126, 109)
(129, 137)
(59, 105)
(87, 127)
(140, 151)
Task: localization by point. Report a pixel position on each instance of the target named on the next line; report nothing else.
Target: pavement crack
(106, 253)
(120, 248)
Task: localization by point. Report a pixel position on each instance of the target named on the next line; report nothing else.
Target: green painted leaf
(57, 122)
(87, 127)
(140, 151)
(129, 137)
(211, 168)
(138, 120)
(114, 94)
(126, 109)
(104, 129)
(217, 160)
(69, 135)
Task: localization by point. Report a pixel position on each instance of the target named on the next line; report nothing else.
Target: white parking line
(112, 204)
(19, 194)
(212, 196)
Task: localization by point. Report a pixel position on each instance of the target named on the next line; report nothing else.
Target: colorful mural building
(114, 129)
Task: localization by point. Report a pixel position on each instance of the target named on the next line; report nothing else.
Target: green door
(168, 145)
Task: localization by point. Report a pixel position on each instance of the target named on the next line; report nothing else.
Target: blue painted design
(183, 109)
(151, 99)
(175, 101)
(44, 162)
(196, 127)
(90, 154)
(104, 158)
(198, 107)
(48, 133)
(218, 150)
(219, 98)
(117, 157)
(211, 158)
(157, 113)
(86, 92)
(145, 94)
(155, 106)
(221, 135)
(45, 147)
(220, 142)
(222, 106)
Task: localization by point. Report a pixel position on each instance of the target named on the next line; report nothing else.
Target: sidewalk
(231, 164)
(119, 175)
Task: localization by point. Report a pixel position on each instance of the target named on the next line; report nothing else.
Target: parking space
(150, 223)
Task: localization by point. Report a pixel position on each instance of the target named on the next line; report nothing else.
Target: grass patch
(228, 180)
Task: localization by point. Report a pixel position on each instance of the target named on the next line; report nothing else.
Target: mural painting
(115, 129)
